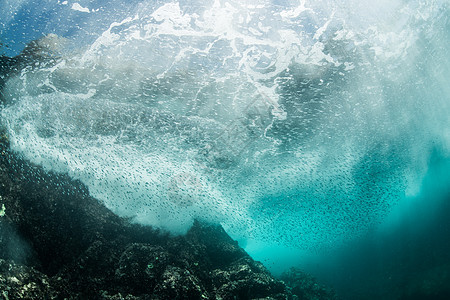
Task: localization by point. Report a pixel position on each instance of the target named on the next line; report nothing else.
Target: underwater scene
(225, 149)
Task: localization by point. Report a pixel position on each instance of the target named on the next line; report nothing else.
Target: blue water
(308, 129)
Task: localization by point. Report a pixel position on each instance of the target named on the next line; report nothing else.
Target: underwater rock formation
(304, 286)
(21, 282)
(58, 242)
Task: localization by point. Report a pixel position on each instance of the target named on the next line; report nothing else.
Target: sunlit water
(299, 125)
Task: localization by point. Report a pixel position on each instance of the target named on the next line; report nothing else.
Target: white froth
(275, 122)
(76, 6)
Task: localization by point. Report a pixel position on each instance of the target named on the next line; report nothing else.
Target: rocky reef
(57, 242)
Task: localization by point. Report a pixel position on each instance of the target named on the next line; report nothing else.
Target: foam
(76, 6)
(301, 126)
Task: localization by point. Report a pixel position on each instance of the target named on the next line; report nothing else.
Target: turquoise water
(305, 128)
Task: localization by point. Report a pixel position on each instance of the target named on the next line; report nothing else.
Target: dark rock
(20, 282)
(247, 279)
(75, 248)
(141, 266)
(177, 283)
(219, 247)
(84, 251)
(304, 286)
